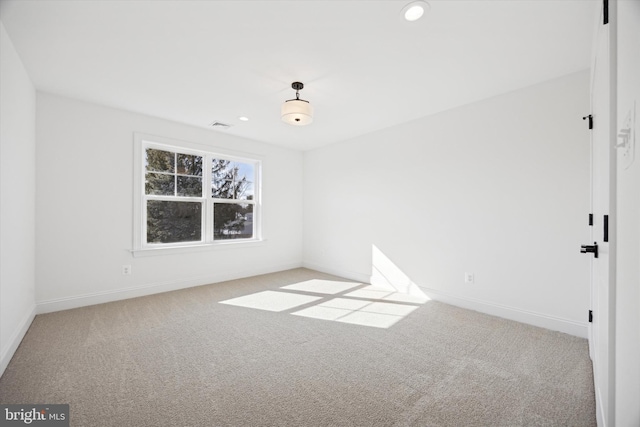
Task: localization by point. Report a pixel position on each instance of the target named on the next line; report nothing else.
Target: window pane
(247, 192)
(219, 188)
(232, 221)
(189, 164)
(245, 170)
(232, 180)
(159, 184)
(172, 222)
(189, 186)
(159, 160)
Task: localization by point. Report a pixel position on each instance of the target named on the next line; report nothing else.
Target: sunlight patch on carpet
(345, 302)
(358, 312)
(373, 292)
(322, 286)
(271, 300)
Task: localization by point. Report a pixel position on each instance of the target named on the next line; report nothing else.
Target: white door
(601, 332)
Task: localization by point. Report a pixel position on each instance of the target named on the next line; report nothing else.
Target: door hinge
(605, 237)
(590, 117)
(590, 316)
(605, 12)
(591, 219)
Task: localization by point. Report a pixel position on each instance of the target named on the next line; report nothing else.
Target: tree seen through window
(176, 199)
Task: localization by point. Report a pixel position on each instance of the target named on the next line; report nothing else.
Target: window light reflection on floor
(345, 302)
(322, 286)
(358, 312)
(272, 300)
(391, 297)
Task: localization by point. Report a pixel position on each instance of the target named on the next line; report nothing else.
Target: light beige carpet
(344, 357)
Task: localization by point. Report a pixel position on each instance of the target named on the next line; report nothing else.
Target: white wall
(85, 199)
(17, 199)
(628, 223)
(499, 188)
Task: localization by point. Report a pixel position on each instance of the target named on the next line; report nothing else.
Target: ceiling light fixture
(297, 112)
(414, 10)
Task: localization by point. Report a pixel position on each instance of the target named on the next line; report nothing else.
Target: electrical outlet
(126, 270)
(468, 278)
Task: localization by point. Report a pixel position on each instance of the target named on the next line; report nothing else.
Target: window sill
(174, 250)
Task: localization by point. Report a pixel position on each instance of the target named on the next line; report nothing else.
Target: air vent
(219, 126)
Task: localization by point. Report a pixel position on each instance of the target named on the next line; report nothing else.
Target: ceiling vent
(219, 126)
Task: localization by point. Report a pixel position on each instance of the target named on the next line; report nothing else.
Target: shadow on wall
(390, 297)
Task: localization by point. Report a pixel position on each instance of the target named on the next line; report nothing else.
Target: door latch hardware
(584, 249)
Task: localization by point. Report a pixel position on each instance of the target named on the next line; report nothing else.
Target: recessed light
(414, 10)
(243, 118)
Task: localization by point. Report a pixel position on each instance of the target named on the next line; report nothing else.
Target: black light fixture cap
(297, 86)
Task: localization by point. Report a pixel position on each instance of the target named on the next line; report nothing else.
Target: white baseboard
(76, 301)
(16, 339)
(571, 327)
(524, 316)
(542, 320)
(601, 421)
(347, 274)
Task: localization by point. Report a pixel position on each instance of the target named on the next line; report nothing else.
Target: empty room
(320, 213)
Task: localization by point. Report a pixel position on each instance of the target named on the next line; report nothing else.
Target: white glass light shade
(297, 112)
(414, 10)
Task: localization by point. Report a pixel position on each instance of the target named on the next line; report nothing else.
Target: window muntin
(170, 173)
(179, 210)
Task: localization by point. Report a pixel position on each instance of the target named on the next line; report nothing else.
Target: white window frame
(140, 245)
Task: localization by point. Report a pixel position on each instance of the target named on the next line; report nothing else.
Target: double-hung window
(190, 196)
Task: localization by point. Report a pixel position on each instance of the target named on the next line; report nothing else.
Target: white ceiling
(363, 66)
